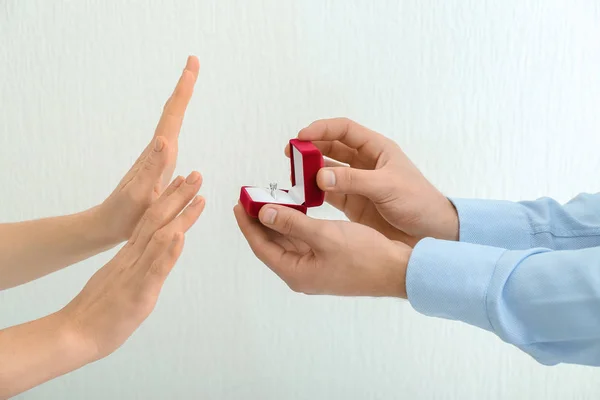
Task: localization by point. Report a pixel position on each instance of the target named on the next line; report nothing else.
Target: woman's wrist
(99, 229)
(78, 350)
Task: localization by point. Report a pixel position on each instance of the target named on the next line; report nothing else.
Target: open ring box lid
(306, 160)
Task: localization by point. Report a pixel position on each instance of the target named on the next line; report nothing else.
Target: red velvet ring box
(306, 161)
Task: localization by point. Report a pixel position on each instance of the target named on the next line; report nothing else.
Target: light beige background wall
(490, 98)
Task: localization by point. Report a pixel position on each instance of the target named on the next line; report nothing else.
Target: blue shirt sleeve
(547, 303)
(531, 224)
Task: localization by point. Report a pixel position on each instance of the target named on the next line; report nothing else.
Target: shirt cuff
(450, 280)
(493, 223)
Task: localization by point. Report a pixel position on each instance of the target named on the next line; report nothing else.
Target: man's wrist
(399, 257)
(449, 223)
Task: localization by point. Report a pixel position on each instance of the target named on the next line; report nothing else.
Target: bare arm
(38, 351)
(115, 301)
(32, 249)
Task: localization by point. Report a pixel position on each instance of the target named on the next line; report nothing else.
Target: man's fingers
(292, 223)
(348, 132)
(329, 163)
(289, 265)
(351, 181)
(334, 150)
(337, 151)
(337, 200)
(258, 239)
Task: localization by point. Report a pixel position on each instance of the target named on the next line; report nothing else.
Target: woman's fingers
(164, 248)
(159, 269)
(171, 119)
(167, 207)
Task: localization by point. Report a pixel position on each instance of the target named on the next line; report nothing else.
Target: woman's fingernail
(329, 178)
(192, 178)
(158, 144)
(269, 216)
(178, 181)
(196, 201)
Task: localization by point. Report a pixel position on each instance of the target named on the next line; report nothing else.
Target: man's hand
(326, 257)
(381, 187)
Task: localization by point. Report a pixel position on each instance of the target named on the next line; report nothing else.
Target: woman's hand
(115, 301)
(122, 210)
(119, 297)
(31, 249)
